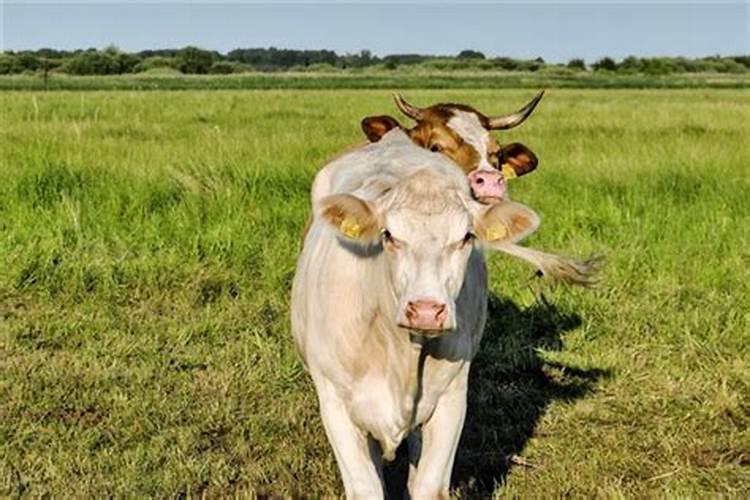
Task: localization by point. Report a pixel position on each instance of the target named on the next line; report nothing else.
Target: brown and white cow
(389, 301)
(462, 133)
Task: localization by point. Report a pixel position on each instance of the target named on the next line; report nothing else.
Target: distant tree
(605, 63)
(47, 53)
(145, 54)
(112, 60)
(532, 65)
(405, 59)
(685, 65)
(577, 64)
(222, 67)
(123, 62)
(195, 60)
(507, 63)
(92, 63)
(723, 65)
(227, 67)
(154, 62)
(366, 58)
(390, 63)
(630, 64)
(470, 54)
(659, 66)
(275, 59)
(361, 59)
(9, 64)
(28, 61)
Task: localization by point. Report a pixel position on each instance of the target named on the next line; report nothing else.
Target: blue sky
(556, 31)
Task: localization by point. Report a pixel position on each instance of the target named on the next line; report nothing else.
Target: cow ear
(351, 217)
(505, 222)
(375, 127)
(517, 160)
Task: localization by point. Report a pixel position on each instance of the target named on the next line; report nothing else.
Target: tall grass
(404, 78)
(148, 241)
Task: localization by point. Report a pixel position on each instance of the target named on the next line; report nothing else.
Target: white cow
(388, 306)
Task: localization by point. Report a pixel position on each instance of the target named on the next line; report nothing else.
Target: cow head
(425, 230)
(462, 133)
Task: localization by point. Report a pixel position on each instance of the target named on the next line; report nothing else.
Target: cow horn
(407, 109)
(517, 118)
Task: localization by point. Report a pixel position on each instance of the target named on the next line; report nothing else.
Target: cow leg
(439, 441)
(356, 454)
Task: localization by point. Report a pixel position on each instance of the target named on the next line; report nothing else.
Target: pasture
(148, 242)
(404, 78)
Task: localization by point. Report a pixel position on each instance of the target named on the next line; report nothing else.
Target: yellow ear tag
(497, 232)
(350, 228)
(508, 171)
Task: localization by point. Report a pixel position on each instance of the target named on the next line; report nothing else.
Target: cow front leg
(357, 455)
(439, 441)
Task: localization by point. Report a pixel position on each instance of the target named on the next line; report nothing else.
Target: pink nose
(426, 315)
(487, 185)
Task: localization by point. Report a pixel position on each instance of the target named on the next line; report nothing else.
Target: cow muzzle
(488, 186)
(427, 315)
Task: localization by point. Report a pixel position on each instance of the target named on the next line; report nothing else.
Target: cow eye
(435, 148)
(389, 241)
(388, 237)
(468, 238)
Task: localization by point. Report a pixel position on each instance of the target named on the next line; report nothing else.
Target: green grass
(403, 78)
(148, 241)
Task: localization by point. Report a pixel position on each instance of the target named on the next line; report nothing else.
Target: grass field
(403, 78)
(148, 241)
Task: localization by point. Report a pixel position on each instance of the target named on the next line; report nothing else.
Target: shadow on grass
(510, 388)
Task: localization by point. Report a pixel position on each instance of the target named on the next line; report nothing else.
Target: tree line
(194, 60)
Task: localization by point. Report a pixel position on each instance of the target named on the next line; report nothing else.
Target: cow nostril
(411, 310)
(479, 180)
(439, 310)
